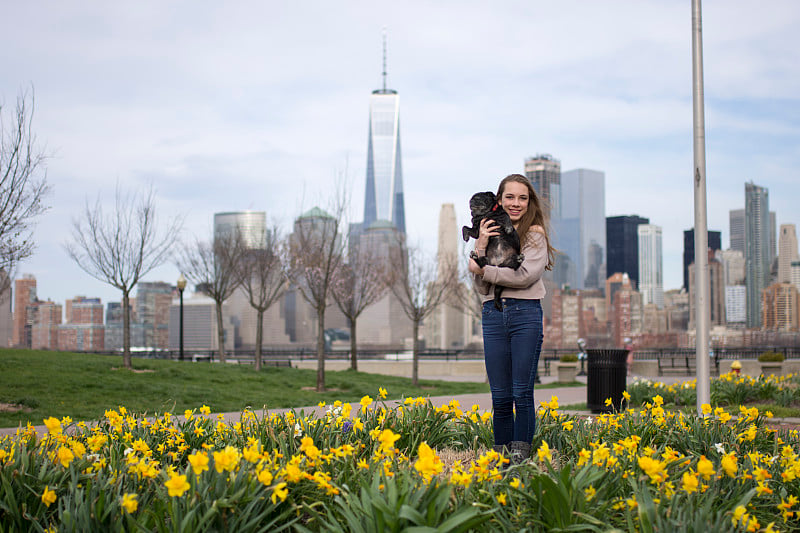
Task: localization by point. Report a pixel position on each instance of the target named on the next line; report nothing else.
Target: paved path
(566, 396)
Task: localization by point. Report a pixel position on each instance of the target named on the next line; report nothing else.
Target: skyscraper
(384, 191)
(651, 265)
(622, 241)
(757, 249)
(736, 218)
(787, 252)
(544, 173)
(579, 233)
(252, 226)
(714, 241)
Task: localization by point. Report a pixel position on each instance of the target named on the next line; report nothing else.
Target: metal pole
(702, 282)
(180, 329)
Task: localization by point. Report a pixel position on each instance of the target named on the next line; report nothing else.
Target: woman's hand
(474, 268)
(488, 229)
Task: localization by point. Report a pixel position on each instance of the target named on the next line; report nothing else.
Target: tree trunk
(353, 345)
(321, 349)
(126, 330)
(259, 337)
(220, 333)
(415, 356)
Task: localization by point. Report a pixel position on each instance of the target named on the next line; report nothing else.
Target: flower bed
(380, 468)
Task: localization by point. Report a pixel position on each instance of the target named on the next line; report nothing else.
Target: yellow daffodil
(53, 425)
(690, 482)
(227, 459)
(428, 464)
(48, 496)
(130, 503)
(705, 467)
(544, 452)
(199, 462)
(176, 485)
(279, 492)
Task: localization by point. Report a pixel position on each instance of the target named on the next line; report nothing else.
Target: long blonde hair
(534, 216)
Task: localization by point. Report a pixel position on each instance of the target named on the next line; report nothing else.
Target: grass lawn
(83, 386)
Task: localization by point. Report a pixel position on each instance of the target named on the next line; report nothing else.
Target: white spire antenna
(384, 59)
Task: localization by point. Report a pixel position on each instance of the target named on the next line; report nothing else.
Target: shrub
(569, 358)
(771, 357)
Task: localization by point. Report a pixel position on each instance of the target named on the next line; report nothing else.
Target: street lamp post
(181, 285)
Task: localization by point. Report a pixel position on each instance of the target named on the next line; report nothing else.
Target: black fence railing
(667, 357)
(729, 352)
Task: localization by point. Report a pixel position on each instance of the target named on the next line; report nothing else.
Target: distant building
(446, 327)
(757, 255)
(714, 243)
(24, 296)
(114, 331)
(787, 252)
(716, 291)
(199, 325)
(736, 305)
(383, 199)
(44, 331)
(580, 231)
(779, 307)
(626, 315)
(83, 330)
(622, 242)
(676, 305)
(795, 274)
(651, 265)
(384, 323)
(153, 300)
(544, 173)
(251, 225)
(732, 262)
(736, 230)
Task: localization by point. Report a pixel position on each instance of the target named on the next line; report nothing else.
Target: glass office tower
(622, 239)
(757, 256)
(580, 232)
(384, 192)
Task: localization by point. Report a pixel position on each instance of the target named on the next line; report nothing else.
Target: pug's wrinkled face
(482, 203)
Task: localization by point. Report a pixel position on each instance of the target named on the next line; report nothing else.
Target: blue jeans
(512, 341)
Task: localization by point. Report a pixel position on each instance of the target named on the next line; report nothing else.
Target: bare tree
(212, 268)
(316, 249)
(262, 276)
(420, 290)
(121, 248)
(23, 185)
(464, 294)
(359, 283)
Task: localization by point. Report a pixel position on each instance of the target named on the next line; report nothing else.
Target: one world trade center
(384, 192)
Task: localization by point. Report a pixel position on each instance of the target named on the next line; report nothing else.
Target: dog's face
(482, 203)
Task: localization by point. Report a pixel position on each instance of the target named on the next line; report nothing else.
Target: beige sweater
(524, 283)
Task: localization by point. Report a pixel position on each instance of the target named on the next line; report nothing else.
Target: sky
(228, 106)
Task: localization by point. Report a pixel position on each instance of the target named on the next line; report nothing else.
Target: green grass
(83, 386)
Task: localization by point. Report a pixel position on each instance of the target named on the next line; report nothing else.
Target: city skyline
(210, 105)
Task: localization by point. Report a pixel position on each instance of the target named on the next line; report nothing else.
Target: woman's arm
(532, 268)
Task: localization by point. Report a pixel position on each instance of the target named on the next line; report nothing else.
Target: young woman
(512, 336)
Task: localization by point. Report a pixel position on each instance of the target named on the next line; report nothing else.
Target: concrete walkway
(566, 396)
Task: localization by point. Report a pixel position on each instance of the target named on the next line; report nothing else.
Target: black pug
(503, 250)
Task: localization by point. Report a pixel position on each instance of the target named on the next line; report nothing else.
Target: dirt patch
(13, 408)
(449, 456)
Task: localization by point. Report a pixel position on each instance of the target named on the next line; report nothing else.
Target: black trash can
(606, 374)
